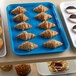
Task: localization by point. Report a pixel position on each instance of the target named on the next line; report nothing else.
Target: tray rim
(58, 20)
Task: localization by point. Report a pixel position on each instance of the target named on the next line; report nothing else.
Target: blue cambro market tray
(34, 22)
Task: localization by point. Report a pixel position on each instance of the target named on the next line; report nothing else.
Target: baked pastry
(1, 31)
(74, 29)
(71, 10)
(43, 16)
(52, 44)
(48, 33)
(46, 25)
(18, 10)
(58, 66)
(6, 67)
(20, 17)
(0, 19)
(23, 26)
(23, 69)
(25, 36)
(27, 46)
(72, 18)
(40, 8)
(1, 43)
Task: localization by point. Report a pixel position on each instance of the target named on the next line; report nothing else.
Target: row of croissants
(21, 17)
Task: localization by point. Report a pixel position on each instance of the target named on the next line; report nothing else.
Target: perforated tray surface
(34, 22)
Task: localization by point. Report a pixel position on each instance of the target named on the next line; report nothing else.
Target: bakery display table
(34, 72)
(11, 58)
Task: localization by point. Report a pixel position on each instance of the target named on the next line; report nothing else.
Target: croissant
(48, 33)
(1, 42)
(43, 16)
(6, 67)
(1, 30)
(40, 8)
(20, 17)
(25, 36)
(23, 26)
(27, 46)
(46, 25)
(53, 44)
(57, 66)
(18, 10)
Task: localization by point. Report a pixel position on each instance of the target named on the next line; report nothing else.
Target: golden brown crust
(57, 66)
(6, 67)
(53, 44)
(23, 69)
(27, 46)
(0, 19)
(43, 16)
(1, 43)
(25, 36)
(23, 26)
(48, 33)
(1, 31)
(20, 17)
(18, 10)
(40, 8)
(46, 25)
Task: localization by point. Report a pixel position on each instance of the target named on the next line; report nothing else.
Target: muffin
(6, 67)
(23, 69)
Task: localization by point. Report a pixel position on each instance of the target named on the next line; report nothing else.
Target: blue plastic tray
(34, 22)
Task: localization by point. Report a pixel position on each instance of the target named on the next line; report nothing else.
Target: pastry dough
(27, 46)
(43, 16)
(40, 8)
(1, 43)
(23, 69)
(48, 33)
(1, 31)
(18, 10)
(46, 25)
(20, 17)
(6, 67)
(57, 66)
(53, 44)
(25, 36)
(23, 26)
(0, 19)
